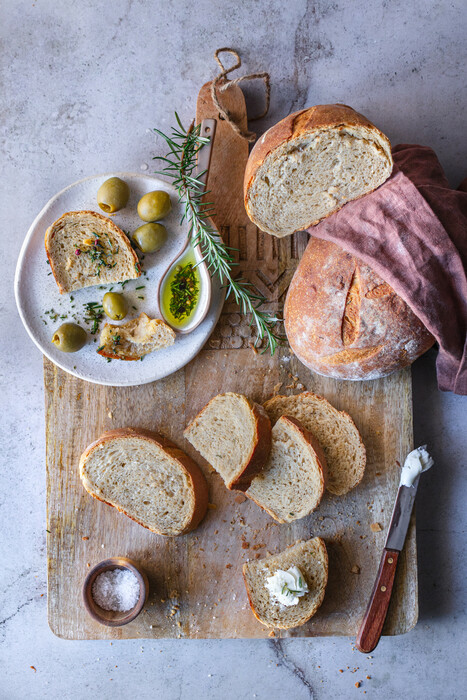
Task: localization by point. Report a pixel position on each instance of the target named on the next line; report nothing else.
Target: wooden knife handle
(372, 625)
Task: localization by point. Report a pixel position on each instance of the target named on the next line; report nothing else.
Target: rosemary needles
(180, 166)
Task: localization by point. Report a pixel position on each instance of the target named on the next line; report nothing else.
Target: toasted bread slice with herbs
(233, 434)
(85, 248)
(311, 559)
(291, 484)
(135, 339)
(147, 478)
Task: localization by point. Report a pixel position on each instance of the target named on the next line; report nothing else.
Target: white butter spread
(417, 461)
(287, 587)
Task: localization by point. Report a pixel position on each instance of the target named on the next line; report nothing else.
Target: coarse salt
(116, 590)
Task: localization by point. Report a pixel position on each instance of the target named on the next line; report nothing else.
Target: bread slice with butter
(292, 483)
(85, 248)
(135, 339)
(147, 478)
(311, 559)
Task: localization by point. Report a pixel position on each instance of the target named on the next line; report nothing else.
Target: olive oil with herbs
(181, 291)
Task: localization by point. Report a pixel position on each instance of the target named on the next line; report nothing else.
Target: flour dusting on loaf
(343, 321)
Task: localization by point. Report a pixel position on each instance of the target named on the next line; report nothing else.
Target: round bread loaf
(310, 164)
(342, 320)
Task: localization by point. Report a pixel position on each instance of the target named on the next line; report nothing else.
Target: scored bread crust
(313, 119)
(271, 406)
(260, 449)
(193, 471)
(343, 321)
(113, 229)
(323, 554)
(315, 446)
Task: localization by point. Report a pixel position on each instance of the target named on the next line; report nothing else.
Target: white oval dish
(36, 290)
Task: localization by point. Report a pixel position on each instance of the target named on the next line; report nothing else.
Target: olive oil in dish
(181, 292)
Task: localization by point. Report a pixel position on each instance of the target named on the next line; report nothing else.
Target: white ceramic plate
(36, 290)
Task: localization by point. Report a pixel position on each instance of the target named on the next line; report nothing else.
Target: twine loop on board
(222, 83)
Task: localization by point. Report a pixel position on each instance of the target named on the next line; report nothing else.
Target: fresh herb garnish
(180, 166)
(53, 315)
(94, 314)
(100, 255)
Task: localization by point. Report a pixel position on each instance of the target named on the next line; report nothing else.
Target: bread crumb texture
(138, 477)
(292, 483)
(312, 172)
(335, 431)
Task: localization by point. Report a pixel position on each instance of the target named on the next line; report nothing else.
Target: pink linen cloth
(413, 232)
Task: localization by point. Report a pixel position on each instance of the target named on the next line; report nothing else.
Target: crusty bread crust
(52, 231)
(343, 321)
(192, 470)
(260, 451)
(315, 444)
(325, 562)
(306, 121)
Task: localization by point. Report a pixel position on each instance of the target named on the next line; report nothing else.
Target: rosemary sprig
(180, 166)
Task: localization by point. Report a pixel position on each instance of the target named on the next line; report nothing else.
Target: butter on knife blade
(416, 462)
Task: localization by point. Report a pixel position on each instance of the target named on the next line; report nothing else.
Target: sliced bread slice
(147, 478)
(335, 431)
(135, 339)
(291, 484)
(85, 248)
(311, 559)
(310, 164)
(233, 434)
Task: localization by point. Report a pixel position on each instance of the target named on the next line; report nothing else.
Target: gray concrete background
(81, 84)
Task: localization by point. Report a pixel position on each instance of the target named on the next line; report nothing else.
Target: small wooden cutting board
(196, 586)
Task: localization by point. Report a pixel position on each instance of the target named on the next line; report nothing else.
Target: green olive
(115, 305)
(69, 337)
(154, 206)
(150, 237)
(113, 195)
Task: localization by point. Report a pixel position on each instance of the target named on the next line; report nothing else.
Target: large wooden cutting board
(196, 582)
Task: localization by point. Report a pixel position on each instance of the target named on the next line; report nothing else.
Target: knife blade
(417, 462)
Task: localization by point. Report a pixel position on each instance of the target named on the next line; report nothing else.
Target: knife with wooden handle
(417, 462)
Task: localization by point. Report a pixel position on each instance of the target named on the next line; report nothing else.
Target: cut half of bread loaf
(233, 434)
(310, 164)
(292, 483)
(311, 559)
(135, 339)
(85, 248)
(146, 477)
(335, 431)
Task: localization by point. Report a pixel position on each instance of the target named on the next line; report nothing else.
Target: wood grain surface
(196, 587)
